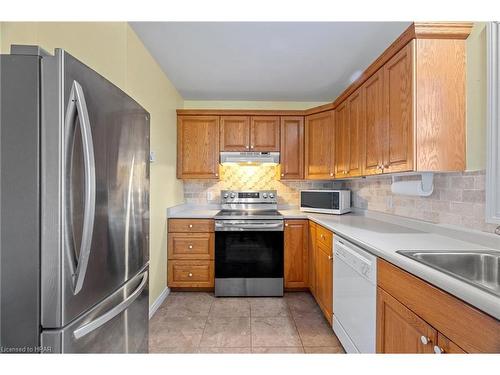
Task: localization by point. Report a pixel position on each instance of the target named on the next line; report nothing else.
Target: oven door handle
(249, 226)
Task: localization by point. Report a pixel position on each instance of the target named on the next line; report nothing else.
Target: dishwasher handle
(358, 259)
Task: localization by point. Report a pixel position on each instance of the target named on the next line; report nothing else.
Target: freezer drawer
(119, 324)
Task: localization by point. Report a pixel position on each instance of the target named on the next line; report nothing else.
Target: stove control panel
(256, 196)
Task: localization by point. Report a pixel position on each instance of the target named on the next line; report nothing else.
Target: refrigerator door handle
(107, 316)
(78, 106)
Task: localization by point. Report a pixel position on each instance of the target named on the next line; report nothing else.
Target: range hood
(249, 157)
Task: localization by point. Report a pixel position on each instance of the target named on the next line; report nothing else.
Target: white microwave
(326, 201)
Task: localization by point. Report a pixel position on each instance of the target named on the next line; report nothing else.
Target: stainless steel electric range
(249, 245)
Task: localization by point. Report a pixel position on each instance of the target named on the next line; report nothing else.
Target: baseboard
(157, 303)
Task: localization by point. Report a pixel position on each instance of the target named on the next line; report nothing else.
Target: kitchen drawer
(324, 236)
(191, 246)
(190, 225)
(190, 273)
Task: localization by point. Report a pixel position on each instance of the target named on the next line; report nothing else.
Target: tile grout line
(295, 325)
(205, 326)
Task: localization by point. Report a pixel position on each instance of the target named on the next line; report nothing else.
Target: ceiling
(289, 61)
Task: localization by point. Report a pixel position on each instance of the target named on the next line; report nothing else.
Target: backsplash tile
(262, 177)
(458, 199)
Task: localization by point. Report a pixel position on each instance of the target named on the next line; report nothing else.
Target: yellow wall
(114, 50)
(242, 104)
(476, 97)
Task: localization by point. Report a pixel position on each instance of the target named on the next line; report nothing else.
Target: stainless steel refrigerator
(74, 202)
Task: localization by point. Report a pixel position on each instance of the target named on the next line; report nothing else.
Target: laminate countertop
(383, 235)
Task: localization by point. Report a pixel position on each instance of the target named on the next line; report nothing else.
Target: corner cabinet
(319, 146)
(296, 254)
(198, 147)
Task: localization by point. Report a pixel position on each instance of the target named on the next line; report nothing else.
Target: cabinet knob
(190, 225)
(248, 147)
(438, 350)
(190, 274)
(216, 175)
(282, 174)
(286, 224)
(330, 257)
(331, 174)
(323, 236)
(190, 246)
(251, 146)
(425, 340)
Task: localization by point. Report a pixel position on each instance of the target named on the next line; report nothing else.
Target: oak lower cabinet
(414, 316)
(399, 329)
(198, 147)
(190, 251)
(319, 146)
(296, 254)
(292, 147)
(321, 268)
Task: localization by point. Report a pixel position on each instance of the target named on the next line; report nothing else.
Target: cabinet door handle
(425, 340)
(190, 274)
(438, 350)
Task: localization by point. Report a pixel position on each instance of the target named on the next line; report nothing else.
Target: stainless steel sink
(479, 268)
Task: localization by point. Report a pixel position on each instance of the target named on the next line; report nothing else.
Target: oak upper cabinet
(356, 120)
(399, 103)
(342, 137)
(296, 254)
(319, 146)
(197, 147)
(399, 330)
(373, 135)
(234, 133)
(265, 133)
(292, 147)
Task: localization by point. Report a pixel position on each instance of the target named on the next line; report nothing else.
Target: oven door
(249, 258)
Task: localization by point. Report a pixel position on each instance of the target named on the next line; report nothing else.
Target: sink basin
(479, 268)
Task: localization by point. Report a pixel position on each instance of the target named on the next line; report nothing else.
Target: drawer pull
(190, 246)
(190, 274)
(190, 225)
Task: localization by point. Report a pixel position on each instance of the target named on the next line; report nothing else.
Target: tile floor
(190, 322)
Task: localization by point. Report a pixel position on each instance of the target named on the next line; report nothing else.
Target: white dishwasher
(354, 297)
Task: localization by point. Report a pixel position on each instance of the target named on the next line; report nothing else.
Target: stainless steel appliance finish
(479, 268)
(249, 244)
(88, 220)
(335, 202)
(250, 157)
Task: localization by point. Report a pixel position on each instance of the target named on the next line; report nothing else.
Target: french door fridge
(74, 204)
